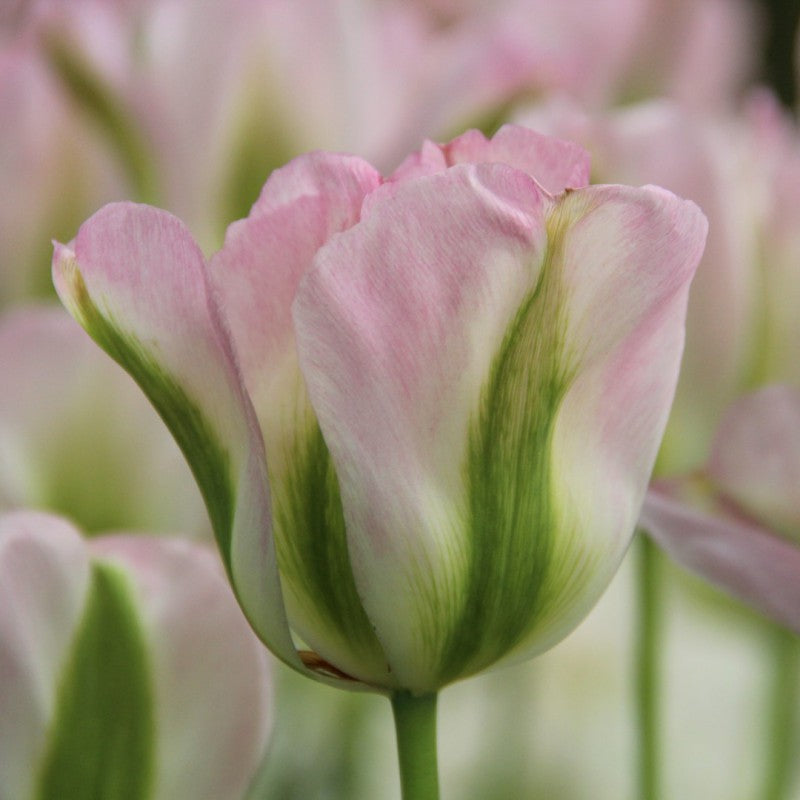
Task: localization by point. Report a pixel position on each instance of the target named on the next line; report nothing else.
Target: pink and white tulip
(106, 647)
(422, 410)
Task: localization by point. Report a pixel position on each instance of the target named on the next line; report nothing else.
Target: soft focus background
(189, 104)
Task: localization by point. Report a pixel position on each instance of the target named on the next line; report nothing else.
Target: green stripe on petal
(513, 520)
(314, 561)
(207, 458)
(101, 743)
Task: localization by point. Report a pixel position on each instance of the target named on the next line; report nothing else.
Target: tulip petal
(193, 627)
(258, 269)
(44, 577)
(475, 385)
(396, 325)
(256, 276)
(136, 281)
(556, 164)
(627, 257)
(662, 144)
(746, 560)
(756, 457)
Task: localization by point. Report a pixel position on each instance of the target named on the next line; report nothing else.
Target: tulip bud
(422, 410)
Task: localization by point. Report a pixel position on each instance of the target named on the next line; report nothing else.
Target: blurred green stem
(415, 723)
(782, 714)
(647, 668)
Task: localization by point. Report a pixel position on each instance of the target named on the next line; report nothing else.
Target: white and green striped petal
(256, 276)
(492, 371)
(136, 281)
(625, 260)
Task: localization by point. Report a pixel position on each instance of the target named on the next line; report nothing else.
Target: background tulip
(105, 648)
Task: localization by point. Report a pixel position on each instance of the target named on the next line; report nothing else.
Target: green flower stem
(415, 723)
(782, 714)
(647, 668)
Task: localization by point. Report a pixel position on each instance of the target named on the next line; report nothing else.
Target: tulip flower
(106, 649)
(77, 437)
(422, 410)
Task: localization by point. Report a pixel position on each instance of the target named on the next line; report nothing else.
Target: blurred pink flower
(124, 661)
(701, 53)
(53, 168)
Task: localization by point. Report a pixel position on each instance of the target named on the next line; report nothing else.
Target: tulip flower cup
(422, 409)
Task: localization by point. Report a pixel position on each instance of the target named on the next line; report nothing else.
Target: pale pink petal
(756, 457)
(705, 160)
(137, 282)
(44, 577)
(258, 269)
(746, 560)
(211, 676)
(555, 164)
